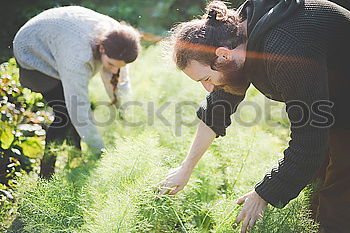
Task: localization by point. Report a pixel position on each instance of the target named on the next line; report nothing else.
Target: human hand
(175, 181)
(253, 209)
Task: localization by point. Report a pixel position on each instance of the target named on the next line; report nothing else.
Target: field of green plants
(117, 193)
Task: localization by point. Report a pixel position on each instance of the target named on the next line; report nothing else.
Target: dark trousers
(61, 128)
(333, 211)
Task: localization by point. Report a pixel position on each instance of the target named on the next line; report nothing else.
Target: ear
(102, 49)
(223, 53)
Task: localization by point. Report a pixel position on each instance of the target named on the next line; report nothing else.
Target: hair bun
(217, 10)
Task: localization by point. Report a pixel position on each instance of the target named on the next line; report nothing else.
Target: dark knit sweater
(304, 61)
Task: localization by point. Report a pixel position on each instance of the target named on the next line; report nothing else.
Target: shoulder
(74, 54)
(282, 47)
(65, 11)
(291, 64)
(314, 24)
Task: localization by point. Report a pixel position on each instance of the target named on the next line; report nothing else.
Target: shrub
(23, 117)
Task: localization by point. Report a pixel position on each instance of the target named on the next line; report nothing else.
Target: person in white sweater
(58, 52)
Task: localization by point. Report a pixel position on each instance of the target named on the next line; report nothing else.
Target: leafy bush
(23, 117)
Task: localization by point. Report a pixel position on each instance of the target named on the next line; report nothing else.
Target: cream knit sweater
(58, 42)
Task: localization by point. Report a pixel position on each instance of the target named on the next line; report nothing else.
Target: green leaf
(32, 147)
(33, 97)
(6, 137)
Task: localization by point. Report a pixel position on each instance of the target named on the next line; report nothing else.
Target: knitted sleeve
(215, 112)
(301, 78)
(75, 71)
(124, 86)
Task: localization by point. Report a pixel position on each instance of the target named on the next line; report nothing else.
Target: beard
(233, 78)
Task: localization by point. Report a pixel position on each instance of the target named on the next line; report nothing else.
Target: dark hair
(121, 44)
(199, 38)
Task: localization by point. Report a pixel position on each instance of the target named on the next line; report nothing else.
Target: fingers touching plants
(175, 181)
(253, 209)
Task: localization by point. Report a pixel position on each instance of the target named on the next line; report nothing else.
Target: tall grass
(117, 193)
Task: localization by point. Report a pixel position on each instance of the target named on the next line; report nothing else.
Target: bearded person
(291, 51)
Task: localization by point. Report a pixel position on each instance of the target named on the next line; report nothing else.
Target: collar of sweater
(262, 15)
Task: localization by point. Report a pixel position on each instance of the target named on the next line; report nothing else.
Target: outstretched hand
(175, 181)
(253, 209)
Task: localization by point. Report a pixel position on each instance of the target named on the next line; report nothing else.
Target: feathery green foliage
(118, 192)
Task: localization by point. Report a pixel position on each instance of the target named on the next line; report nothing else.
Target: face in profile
(224, 75)
(110, 64)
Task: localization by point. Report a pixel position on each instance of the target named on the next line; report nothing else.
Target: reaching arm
(75, 87)
(201, 143)
(178, 177)
(303, 84)
(215, 115)
(124, 86)
(75, 71)
(216, 111)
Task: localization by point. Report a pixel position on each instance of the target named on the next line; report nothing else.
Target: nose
(208, 86)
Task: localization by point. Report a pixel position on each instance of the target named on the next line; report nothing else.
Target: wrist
(259, 197)
(187, 166)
